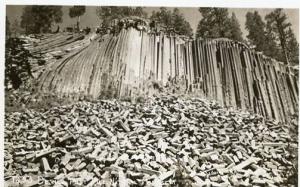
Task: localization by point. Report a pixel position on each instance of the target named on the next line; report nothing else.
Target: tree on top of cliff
(77, 11)
(279, 26)
(36, 19)
(235, 30)
(256, 30)
(108, 13)
(172, 20)
(258, 36)
(292, 47)
(216, 23)
(163, 17)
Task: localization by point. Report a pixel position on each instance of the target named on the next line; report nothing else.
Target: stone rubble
(165, 141)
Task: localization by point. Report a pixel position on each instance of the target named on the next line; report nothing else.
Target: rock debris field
(164, 141)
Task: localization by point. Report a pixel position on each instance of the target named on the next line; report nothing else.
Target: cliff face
(129, 64)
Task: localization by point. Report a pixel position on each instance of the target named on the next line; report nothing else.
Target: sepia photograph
(150, 96)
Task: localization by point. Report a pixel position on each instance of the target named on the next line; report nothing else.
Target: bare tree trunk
(287, 58)
(282, 38)
(78, 21)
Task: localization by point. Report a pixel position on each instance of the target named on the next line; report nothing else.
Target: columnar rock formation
(221, 70)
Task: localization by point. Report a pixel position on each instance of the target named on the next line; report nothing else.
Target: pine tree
(216, 23)
(180, 25)
(172, 20)
(37, 19)
(270, 47)
(277, 24)
(163, 17)
(108, 13)
(77, 11)
(235, 30)
(292, 47)
(139, 11)
(263, 39)
(256, 30)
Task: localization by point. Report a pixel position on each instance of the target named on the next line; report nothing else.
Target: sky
(192, 15)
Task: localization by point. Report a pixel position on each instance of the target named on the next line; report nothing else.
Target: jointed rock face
(131, 62)
(164, 141)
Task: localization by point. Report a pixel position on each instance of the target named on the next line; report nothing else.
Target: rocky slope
(165, 141)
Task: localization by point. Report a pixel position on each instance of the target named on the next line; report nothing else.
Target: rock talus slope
(166, 141)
